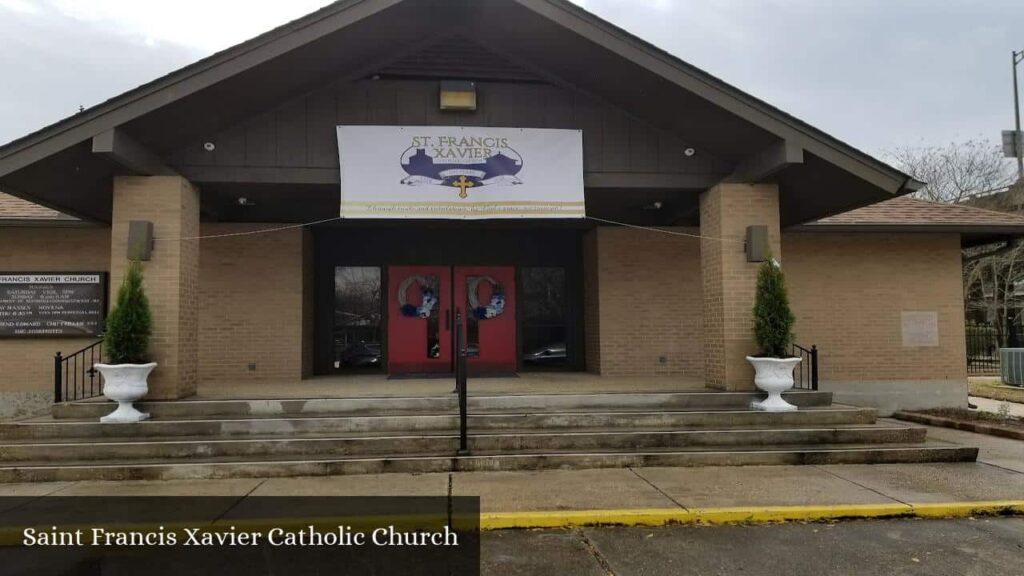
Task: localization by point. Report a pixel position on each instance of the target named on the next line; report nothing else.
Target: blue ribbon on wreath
(424, 309)
(493, 308)
(428, 302)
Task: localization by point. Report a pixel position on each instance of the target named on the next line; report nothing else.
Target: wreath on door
(493, 308)
(428, 290)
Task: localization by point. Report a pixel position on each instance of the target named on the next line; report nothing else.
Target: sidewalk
(989, 405)
(672, 492)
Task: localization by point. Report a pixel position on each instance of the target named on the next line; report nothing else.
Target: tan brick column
(171, 203)
(728, 279)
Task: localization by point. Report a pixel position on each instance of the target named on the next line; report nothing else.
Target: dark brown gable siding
(301, 133)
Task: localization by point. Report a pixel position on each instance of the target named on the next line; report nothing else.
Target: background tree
(956, 171)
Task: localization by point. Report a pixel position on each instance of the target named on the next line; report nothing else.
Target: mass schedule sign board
(460, 172)
(57, 304)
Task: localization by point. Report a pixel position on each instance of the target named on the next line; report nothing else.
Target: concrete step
(511, 441)
(309, 424)
(446, 462)
(439, 404)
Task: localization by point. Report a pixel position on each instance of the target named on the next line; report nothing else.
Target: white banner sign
(460, 172)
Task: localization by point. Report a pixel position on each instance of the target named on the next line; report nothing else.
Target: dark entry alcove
(537, 251)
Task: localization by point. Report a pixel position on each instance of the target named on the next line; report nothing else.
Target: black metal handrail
(75, 376)
(806, 377)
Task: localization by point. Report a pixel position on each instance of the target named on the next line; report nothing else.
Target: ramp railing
(75, 376)
(806, 376)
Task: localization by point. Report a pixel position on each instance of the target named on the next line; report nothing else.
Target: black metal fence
(75, 376)
(982, 349)
(983, 343)
(806, 375)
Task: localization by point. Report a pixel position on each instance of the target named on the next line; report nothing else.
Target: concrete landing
(362, 385)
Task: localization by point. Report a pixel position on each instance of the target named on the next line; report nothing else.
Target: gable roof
(905, 214)
(15, 211)
(160, 111)
(905, 211)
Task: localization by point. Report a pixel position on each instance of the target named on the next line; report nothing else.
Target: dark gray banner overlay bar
(248, 536)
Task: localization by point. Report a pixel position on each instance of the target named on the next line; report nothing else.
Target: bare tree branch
(955, 171)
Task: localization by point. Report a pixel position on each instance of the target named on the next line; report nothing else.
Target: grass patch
(965, 415)
(987, 387)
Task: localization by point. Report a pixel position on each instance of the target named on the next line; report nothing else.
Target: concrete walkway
(998, 475)
(989, 405)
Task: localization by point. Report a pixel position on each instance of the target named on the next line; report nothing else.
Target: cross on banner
(462, 184)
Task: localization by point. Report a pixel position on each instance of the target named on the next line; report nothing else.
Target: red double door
(424, 303)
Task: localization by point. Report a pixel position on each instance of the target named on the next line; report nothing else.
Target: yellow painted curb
(564, 518)
(740, 515)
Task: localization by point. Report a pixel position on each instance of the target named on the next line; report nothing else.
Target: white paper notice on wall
(460, 172)
(920, 328)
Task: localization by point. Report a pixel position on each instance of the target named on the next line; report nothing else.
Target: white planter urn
(774, 376)
(125, 384)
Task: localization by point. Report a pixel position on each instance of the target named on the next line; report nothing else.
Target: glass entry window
(545, 323)
(357, 318)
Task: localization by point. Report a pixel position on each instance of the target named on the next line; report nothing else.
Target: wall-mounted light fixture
(140, 239)
(756, 243)
(458, 95)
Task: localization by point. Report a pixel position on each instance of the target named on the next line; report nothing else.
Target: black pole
(58, 397)
(1018, 57)
(814, 367)
(460, 384)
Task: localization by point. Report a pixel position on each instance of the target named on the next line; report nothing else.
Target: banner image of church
(325, 204)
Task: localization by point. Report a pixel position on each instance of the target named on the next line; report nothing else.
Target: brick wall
(171, 276)
(647, 289)
(26, 377)
(848, 292)
(254, 297)
(642, 301)
(729, 280)
(591, 303)
(251, 305)
(308, 303)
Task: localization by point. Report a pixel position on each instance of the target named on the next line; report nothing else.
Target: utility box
(1011, 366)
(757, 243)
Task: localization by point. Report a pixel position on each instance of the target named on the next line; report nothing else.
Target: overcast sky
(875, 73)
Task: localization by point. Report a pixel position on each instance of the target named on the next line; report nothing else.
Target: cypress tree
(130, 324)
(773, 319)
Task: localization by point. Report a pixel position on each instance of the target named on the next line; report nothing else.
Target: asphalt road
(984, 546)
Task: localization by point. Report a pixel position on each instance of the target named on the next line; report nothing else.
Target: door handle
(448, 320)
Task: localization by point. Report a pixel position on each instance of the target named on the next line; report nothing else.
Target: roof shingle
(12, 208)
(906, 211)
